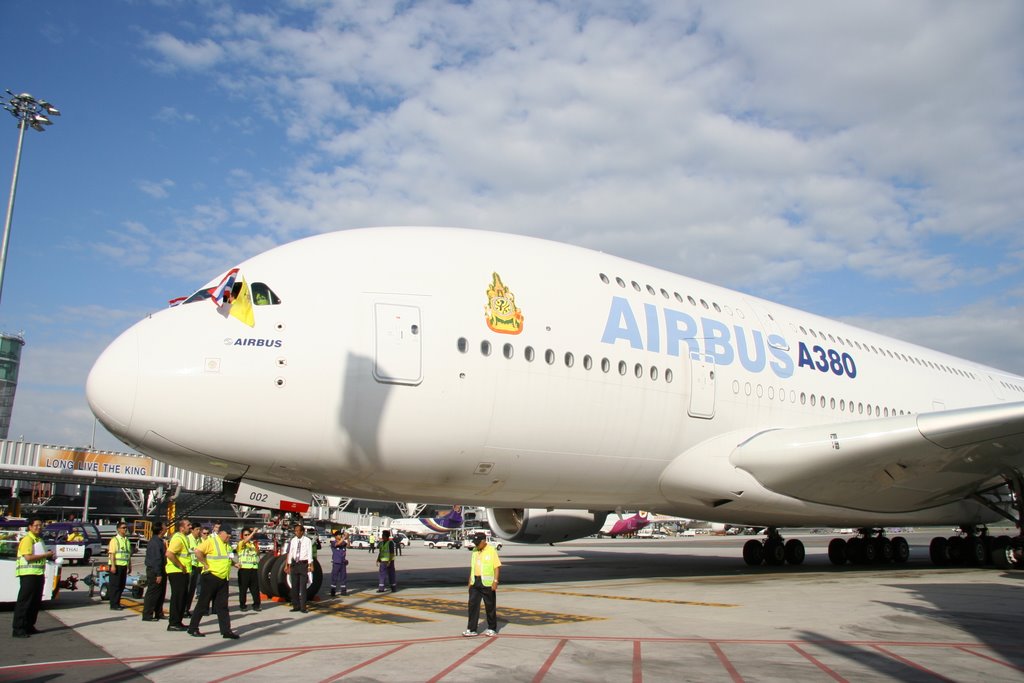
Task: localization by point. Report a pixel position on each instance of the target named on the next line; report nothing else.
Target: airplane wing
(894, 464)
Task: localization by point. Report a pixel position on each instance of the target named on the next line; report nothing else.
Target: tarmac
(679, 609)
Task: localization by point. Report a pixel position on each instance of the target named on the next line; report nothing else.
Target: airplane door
(702, 386)
(397, 357)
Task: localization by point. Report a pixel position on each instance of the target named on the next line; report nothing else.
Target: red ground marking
(550, 660)
(461, 660)
(726, 663)
(911, 664)
(814, 660)
(367, 662)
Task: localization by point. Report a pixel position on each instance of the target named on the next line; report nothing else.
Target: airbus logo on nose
(240, 341)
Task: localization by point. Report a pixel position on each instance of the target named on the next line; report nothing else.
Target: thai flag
(217, 295)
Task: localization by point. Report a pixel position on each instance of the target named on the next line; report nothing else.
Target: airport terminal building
(58, 482)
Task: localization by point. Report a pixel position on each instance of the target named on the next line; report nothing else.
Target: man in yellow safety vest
(484, 568)
(119, 554)
(179, 568)
(214, 554)
(30, 568)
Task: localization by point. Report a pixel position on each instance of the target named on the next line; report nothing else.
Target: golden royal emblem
(502, 314)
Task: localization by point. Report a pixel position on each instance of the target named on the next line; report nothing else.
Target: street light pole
(29, 112)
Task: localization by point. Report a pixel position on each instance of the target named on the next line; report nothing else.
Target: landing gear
(976, 548)
(870, 547)
(773, 551)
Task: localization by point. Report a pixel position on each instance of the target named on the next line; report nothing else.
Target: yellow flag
(241, 307)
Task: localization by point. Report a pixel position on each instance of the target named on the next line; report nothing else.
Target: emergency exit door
(702, 386)
(397, 352)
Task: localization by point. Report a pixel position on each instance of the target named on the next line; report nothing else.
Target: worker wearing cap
(119, 554)
(484, 568)
(214, 555)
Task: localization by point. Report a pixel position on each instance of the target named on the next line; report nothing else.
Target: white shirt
(300, 549)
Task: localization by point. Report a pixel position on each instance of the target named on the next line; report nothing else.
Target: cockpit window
(263, 295)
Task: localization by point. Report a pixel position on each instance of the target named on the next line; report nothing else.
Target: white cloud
(180, 53)
(157, 189)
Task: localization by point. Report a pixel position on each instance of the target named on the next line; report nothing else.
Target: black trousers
(248, 582)
(118, 579)
(30, 597)
(214, 590)
(179, 597)
(193, 586)
(299, 571)
(477, 592)
(153, 603)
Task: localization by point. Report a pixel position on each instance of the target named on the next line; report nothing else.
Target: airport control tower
(10, 362)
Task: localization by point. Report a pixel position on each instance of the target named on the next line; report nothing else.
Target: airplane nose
(113, 383)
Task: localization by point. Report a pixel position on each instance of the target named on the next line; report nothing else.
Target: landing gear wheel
(794, 551)
(103, 594)
(900, 550)
(753, 553)
(774, 552)
(837, 551)
(974, 550)
(263, 575)
(938, 551)
(957, 549)
(855, 550)
(883, 549)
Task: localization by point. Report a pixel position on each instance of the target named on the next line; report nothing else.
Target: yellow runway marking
(363, 614)
(523, 617)
(692, 603)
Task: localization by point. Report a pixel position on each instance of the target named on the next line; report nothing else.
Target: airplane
(445, 522)
(552, 384)
(616, 525)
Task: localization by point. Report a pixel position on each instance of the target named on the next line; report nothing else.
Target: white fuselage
(378, 376)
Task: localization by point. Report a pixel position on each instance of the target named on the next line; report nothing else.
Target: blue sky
(860, 160)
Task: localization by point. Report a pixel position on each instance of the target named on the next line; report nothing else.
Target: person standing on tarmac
(156, 575)
(179, 570)
(119, 554)
(484, 568)
(386, 563)
(339, 563)
(248, 566)
(214, 555)
(30, 568)
(298, 564)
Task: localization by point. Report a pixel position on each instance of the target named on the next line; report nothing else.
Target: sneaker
(245, 608)
(257, 609)
(469, 634)
(490, 632)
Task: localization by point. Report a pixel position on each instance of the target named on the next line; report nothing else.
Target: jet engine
(540, 525)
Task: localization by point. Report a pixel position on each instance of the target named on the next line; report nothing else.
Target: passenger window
(463, 345)
(263, 295)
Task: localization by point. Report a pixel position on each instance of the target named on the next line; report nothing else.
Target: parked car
(359, 541)
(442, 541)
(491, 540)
(58, 532)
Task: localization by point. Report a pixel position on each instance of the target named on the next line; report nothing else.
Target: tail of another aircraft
(446, 521)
